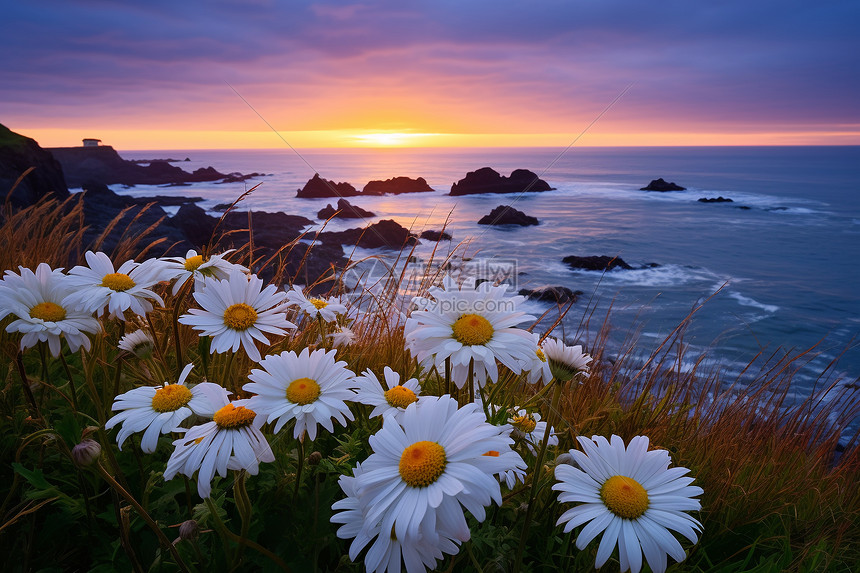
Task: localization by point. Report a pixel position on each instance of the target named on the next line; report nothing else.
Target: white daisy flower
(139, 343)
(343, 336)
(390, 401)
(236, 311)
(160, 410)
(326, 308)
(435, 453)
(231, 441)
(565, 362)
(631, 496)
(529, 428)
(197, 267)
(310, 388)
(99, 286)
(37, 301)
(418, 554)
(538, 368)
(517, 473)
(470, 326)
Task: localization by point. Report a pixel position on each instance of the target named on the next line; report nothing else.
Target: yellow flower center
(318, 303)
(118, 282)
(525, 423)
(400, 396)
(624, 496)
(48, 311)
(492, 454)
(170, 398)
(231, 416)
(472, 330)
(193, 263)
(240, 316)
(303, 391)
(422, 463)
(541, 356)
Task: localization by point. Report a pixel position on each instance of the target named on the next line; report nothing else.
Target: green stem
(471, 380)
(116, 377)
(25, 385)
(222, 529)
(301, 463)
(163, 540)
(322, 331)
(448, 375)
(551, 415)
(243, 505)
(179, 298)
(71, 381)
(158, 347)
(228, 372)
(539, 396)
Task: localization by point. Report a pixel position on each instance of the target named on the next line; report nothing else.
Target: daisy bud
(565, 362)
(85, 453)
(138, 343)
(189, 530)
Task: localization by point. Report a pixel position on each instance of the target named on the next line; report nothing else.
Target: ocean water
(786, 271)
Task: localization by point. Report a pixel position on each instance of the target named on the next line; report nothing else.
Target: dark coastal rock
(317, 265)
(744, 207)
(237, 177)
(435, 236)
(719, 199)
(318, 187)
(275, 246)
(166, 200)
(385, 233)
(344, 210)
(272, 230)
(19, 153)
(101, 206)
(596, 263)
(554, 294)
(505, 215)
(662, 186)
(196, 224)
(104, 165)
(396, 186)
(151, 160)
(488, 180)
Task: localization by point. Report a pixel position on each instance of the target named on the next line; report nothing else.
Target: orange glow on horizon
(198, 139)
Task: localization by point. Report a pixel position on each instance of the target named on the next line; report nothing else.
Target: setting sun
(392, 139)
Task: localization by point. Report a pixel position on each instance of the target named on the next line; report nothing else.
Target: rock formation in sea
(553, 294)
(396, 186)
(661, 185)
(488, 180)
(435, 236)
(344, 210)
(385, 233)
(506, 215)
(317, 187)
(719, 199)
(102, 164)
(596, 263)
(19, 153)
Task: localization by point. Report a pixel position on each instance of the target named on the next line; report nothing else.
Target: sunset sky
(158, 74)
